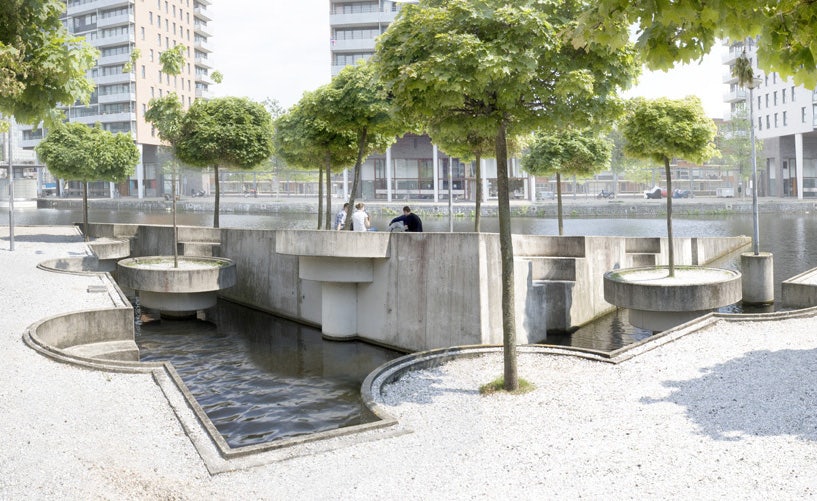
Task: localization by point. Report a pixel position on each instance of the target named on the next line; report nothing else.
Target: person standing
(340, 217)
(360, 220)
(411, 220)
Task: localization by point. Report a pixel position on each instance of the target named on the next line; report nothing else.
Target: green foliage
(305, 138)
(570, 152)
(172, 60)
(670, 32)
(165, 113)
(217, 76)
(735, 143)
(41, 65)
(134, 56)
(662, 129)
(78, 152)
(228, 131)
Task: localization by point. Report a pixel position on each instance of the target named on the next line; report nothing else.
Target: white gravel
(728, 412)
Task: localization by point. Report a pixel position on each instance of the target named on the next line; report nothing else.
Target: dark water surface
(261, 378)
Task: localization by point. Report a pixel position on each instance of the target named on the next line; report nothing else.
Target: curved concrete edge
(214, 451)
(220, 274)
(87, 265)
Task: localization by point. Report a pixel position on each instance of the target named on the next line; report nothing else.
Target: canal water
(261, 378)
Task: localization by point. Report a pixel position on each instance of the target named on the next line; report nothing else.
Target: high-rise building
(137, 31)
(413, 168)
(785, 118)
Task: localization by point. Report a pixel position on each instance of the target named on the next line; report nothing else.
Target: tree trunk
(361, 147)
(478, 205)
(506, 253)
(218, 195)
(329, 218)
(84, 209)
(559, 204)
(670, 246)
(320, 198)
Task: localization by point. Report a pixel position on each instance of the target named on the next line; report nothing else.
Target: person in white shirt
(360, 220)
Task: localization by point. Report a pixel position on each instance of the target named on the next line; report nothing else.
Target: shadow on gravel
(765, 393)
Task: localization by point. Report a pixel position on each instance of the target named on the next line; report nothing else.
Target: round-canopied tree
(663, 129)
(78, 152)
(571, 152)
(304, 138)
(226, 131)
(506, 65)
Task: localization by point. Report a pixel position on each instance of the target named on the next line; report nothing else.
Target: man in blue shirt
(411, 220)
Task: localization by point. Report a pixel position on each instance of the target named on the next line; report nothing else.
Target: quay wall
(429, 290)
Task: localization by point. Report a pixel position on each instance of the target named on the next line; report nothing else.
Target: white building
(785, 118)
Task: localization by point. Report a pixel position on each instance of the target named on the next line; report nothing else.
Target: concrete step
(549, 246)
(106, 350)
(553, 268)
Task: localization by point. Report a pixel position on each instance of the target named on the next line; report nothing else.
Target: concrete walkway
(726, 413)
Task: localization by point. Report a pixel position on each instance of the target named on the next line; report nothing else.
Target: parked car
(678, 193)
(655, 192)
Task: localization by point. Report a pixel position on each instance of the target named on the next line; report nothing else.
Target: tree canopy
(305, 138)
(570, 151)
(41, 64)
(670, 32)
(663, 129)
(504, 68)
(226, 131)
(78, 152)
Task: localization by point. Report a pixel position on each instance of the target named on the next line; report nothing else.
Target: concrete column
(758, 277)
(339, 310)
(346, 184)
(798, 156)
(388, 174)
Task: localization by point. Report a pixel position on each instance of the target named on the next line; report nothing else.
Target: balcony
(362, 19)
(106, 22)
(86, 6)
(354, 45)
(201, 29)
(114, 59)
(201, 13)
(115, 78)
(114, 40)
(735, 96)
(122, 97)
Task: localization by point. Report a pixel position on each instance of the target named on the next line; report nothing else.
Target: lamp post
(755, 230)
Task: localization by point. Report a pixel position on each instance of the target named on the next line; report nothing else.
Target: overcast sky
(279, 49)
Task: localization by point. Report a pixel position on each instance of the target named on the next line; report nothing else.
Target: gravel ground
(728, 412)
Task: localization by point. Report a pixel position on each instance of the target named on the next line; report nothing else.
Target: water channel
(261, 378)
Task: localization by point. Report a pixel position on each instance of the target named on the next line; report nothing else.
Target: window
(167, 9)
(159, 39)
(759, 123)
(150, 17)
(768, 122)
(143, 32)
(758, 102)
(774, 98)
(775, 120)
(767, 99)
(159, 22)
(152, 92)
(151, 55)
(792, 93)
(785, 120)
(803, 114)
(143, 71)
(160, 76)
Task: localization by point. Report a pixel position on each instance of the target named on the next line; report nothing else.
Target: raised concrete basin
(177, 291)
(657, 302)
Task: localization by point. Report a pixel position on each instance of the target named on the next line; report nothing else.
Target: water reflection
(261, 378)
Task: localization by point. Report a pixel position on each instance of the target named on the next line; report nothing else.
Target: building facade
(413, 168)
(785, 118)
(137, 32)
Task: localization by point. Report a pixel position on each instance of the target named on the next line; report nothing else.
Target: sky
(279, 49)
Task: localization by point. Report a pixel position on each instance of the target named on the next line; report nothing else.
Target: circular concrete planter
(177, 291)
(659, 302)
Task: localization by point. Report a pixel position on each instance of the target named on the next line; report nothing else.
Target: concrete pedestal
(339, 312)
(758, 278)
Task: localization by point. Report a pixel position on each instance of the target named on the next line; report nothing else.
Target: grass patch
(498, 385)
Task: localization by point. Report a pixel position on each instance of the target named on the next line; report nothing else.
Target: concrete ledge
(106, 248)
(88, 265)
(358, 244)
(800, 291)
(194, 274)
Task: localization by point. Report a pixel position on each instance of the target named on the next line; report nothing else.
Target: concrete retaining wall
(432, 290)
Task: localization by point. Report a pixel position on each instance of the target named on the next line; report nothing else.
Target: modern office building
(413, 168)
(785, 118)
(121, 30)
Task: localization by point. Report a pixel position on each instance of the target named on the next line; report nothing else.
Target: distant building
(117, 28)
(413, 168)
(785, 118)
